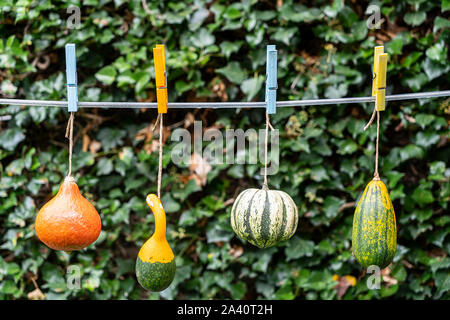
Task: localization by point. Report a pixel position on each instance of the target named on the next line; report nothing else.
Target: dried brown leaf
(236, 251)
(94, 146)
(151, 147)
(145, 133)
(386, 274)
(200, 167)
(36, 294)
(344, 283)
(189, 119)
(86, 141)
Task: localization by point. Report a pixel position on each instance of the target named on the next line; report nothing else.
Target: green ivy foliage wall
(216, 52)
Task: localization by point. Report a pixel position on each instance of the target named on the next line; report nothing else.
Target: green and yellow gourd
(374, 236)
(264, 217)
(155, 264)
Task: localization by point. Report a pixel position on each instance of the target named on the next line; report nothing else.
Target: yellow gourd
(155, 264)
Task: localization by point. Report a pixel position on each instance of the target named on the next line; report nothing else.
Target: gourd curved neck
(160, 216)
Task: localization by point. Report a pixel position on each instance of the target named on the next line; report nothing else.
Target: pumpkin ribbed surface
(264, 217)
(374, 236)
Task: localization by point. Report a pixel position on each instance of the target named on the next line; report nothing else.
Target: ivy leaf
(334, 9)
(441, 23)
(107, 75)
(442, 281)
(285, 35)
(388, 291)
(238, 290)
(197, 18)
(437, 170)
(215, 233)
(434, 69)
(422, 196)
(423, 215)
(426, 139)
(227, 47)
(8, 287)
(438, 52)
(415, 18)
(424, 119)
(252, 86)
(395, 46)
(347, 147)
(10, 138)
(298, 248)
(105, 166)
(181, 86)
(318, 173)
(411, 59)
(187, 189)
(336, 91)
(110, 137)
(416, 82)
(359, 31)
(125, 78)
(265, 15)
(445, 5)
(285, 292)
(170, 205)
(144, 79)
(331, 206)
(233, 72)
(411, 151)
(441, 263)
(233, 12)
(202, 38)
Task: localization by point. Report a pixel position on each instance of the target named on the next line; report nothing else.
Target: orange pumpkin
(68, 221)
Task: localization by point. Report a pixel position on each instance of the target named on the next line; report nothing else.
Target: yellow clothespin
(160, 78)
(379, 78)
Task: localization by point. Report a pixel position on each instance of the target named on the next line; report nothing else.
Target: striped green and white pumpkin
(264, 217)
(374, 236)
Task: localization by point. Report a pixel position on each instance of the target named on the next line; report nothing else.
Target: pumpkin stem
(376, 176)
(69, 179)
(265, 187)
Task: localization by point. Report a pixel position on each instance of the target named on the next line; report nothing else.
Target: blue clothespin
(71, 74)
(271, 80)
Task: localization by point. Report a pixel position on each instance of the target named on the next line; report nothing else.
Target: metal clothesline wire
(224, 105)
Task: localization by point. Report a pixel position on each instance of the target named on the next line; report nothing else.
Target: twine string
(159, 120)
(375, 174)
(266, 142)
(265, 150)
(371, 119)
(69, 135)
(160, 154)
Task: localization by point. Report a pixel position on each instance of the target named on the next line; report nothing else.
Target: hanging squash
(155, 264)
(264, 217)
(68, 221)
(374, 236)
